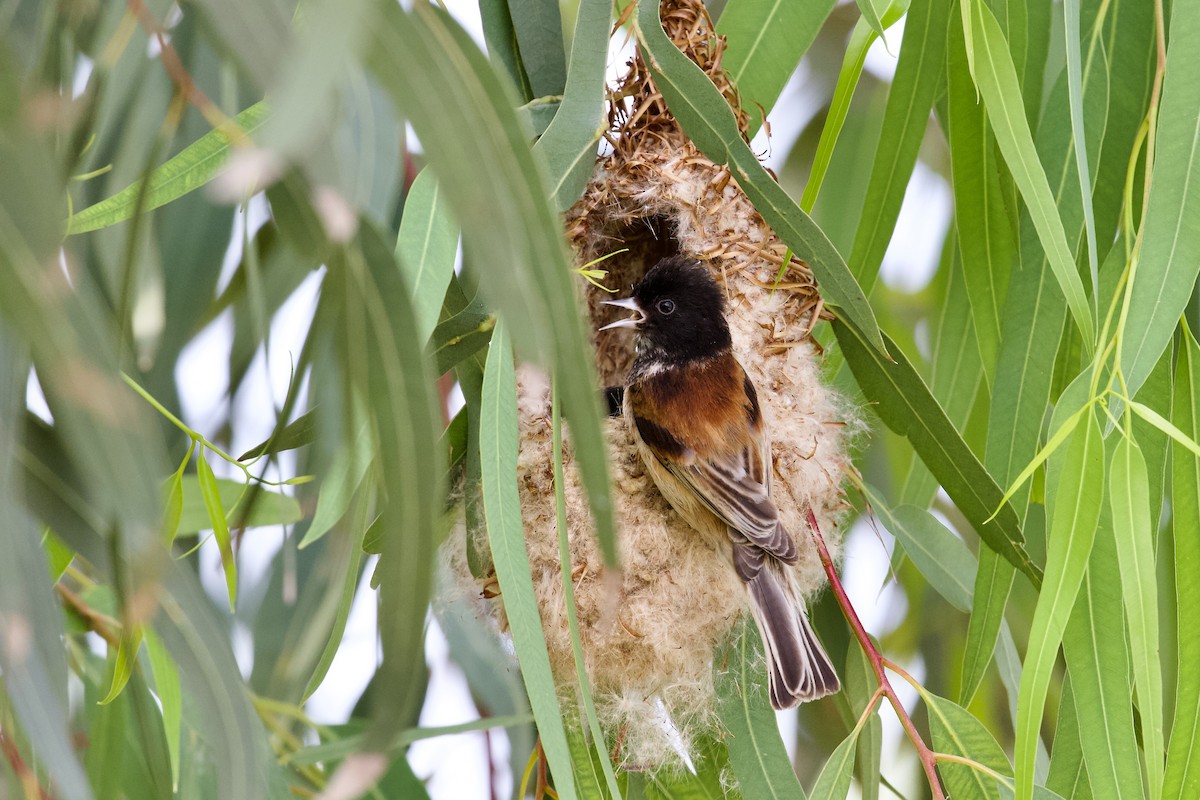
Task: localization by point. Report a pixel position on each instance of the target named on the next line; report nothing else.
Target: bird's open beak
(631, 322)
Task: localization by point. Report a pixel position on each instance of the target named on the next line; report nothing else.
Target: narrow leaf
(1097, 655)
(1182, 778)
(437, 75)
(709, 122)
(995, 76)
(915, 85)
(498, 451)
(166, 687)
(426, 248)
(1170, 257)
(907, 407)
(569, 144)
(756, 752)
(191, 168)
(765, 40)
(210, 493)
(1074, 505)
(834, 781)
(1129, 494)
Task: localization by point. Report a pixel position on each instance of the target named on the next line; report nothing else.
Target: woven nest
(649, 649)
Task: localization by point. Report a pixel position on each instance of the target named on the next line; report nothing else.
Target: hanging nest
(649, 646)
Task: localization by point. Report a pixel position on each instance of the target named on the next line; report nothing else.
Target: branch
(878, 663)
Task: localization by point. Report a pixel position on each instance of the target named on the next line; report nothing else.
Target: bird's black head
(681, 312)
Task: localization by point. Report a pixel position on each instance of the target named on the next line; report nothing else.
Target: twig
(927, 755)
(27, 777)
(183, 81)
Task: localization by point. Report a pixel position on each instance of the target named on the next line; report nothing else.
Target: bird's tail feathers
(798, 666)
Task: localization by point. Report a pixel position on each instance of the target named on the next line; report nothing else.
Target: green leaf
(31, 650)
(756, 751)
(995, 76)
(984, 233)
(1068, 772)
(918, 78)
(382, 356)
(166, 687)
(345, 475)
(506, 533)
(872, 14)
(1170, 256)
(834, 781)
(191, 168)
(501, 40)
(439, 78)
(993, 581)
(538, 25)
(1075, 101)
(709, 122)
(569, 143)
(173, 504)
(1129, 495)
(1074, 502)
(1182, 778)
(861, 39)
(765, 40)
(956, 731)
(907, 407)
(269, 507)
(299, 432)
(462, 336)
(210, 493)
(565, 567)
(941, 556)
(426, 249)
(1097, 655)
(123, 663)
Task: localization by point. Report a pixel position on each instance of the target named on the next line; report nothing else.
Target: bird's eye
(666, 306)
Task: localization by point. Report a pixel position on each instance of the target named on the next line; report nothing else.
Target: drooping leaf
(438, 76)
(1129, 495)
(1182, 777)
(270, 507)
(569, 143)
(1097, 653)
(995, 76)
(709, 122)
(1170, 257)
(185, 172)
(755, 750)
(1074, 499)
(214, 507)
(539, 33)
(426, 248)
(861, 39)
(498, 451)
(834, 781)
(919, 74)
(905, 404)
(941, 556)
(765, 40)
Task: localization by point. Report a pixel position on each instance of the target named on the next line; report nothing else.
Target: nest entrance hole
(648, 240)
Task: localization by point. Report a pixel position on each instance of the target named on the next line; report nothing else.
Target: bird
(695, 417)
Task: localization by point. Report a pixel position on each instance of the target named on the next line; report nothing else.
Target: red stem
(924, 752)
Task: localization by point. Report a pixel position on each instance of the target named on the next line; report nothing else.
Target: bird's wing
(736, 489)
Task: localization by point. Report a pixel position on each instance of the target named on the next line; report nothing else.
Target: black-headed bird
(699, 429)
